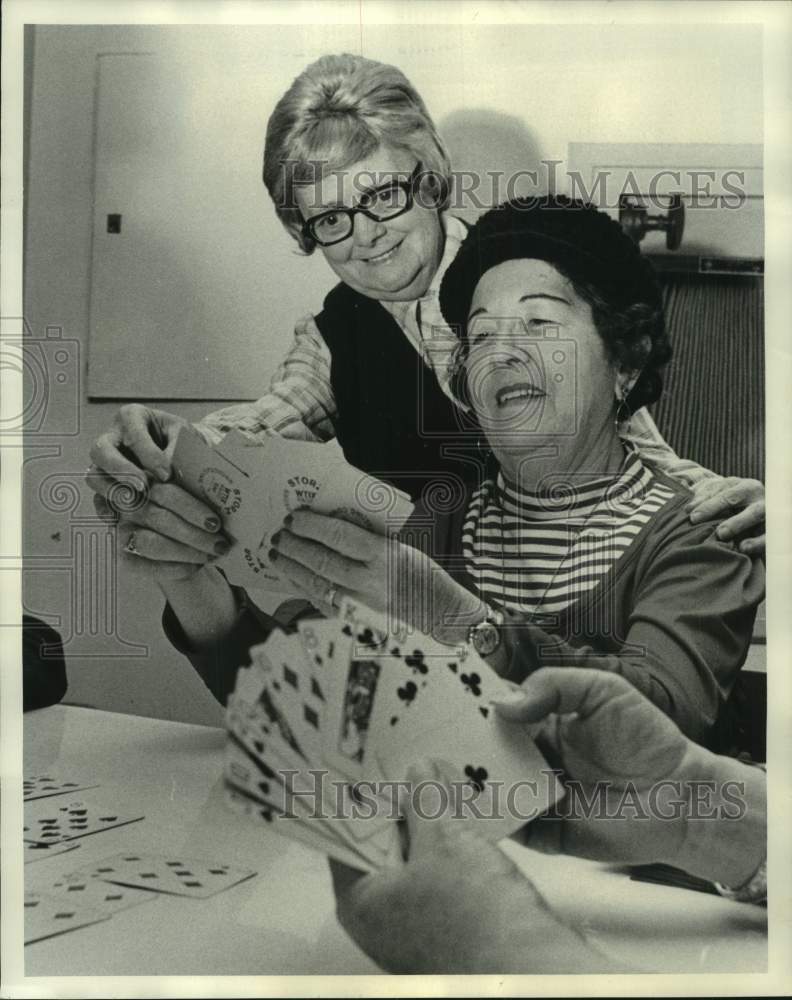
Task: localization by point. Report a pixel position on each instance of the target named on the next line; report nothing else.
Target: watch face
(486, 638)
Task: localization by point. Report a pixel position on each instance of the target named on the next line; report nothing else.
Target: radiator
(712, 407)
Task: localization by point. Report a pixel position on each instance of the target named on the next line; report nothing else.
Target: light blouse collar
(455, 232)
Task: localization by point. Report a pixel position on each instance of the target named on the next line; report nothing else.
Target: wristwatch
(485, 637)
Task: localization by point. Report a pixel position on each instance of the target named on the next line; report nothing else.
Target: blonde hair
(338, 111)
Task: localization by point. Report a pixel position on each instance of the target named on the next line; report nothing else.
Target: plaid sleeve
(658, 454)
(299, 403)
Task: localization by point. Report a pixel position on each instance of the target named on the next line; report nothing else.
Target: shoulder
(671, 539)
(339, 304)
(670, 483)
(671, 524)
(338, 296)
(342, 298)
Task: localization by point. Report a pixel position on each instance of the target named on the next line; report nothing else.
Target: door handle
(636, 221)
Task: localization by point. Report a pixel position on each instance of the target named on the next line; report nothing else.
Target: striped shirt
(529, 552)
(299, 403)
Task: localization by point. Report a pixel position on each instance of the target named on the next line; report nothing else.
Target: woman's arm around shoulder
(683, 616)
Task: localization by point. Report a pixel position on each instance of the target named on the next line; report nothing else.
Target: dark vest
(393, 419)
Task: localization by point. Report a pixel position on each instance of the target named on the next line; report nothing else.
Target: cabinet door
(718, 223)
(195, 286)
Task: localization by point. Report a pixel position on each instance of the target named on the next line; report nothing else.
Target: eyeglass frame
(408, 186)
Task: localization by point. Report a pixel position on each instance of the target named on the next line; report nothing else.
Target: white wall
(504, 98)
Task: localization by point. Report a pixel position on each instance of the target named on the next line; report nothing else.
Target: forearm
(527, 648)
(725, 840)
(215, 651)
(517, 938)
(299, 402)
(678, 630)
(219, 656)
(205, 606)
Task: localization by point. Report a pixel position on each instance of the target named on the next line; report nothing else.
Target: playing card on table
(78, 889)
(52, 821)
(47, 916)
(176, 874)
(44, 786)
(38, 852)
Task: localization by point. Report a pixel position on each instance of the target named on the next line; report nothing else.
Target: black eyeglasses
(383, 203)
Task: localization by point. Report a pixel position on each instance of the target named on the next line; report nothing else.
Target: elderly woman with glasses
(355, 167)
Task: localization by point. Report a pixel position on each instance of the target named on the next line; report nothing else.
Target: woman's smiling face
(537, 370)
(391, 261)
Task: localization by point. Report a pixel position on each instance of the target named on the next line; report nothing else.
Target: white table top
(282, 921)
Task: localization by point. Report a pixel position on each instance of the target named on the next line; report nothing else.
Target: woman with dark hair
(357, 172)
(572, 552)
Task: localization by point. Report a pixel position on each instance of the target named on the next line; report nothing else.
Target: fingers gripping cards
(254, 485)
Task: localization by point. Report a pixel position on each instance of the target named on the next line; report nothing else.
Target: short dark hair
(604, 266)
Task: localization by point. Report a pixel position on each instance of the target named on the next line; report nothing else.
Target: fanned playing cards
(325, 724)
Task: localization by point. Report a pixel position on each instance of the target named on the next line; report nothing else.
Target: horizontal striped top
(528, 552)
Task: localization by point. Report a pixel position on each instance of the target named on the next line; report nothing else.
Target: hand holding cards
(254, 485)
(325, 724)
